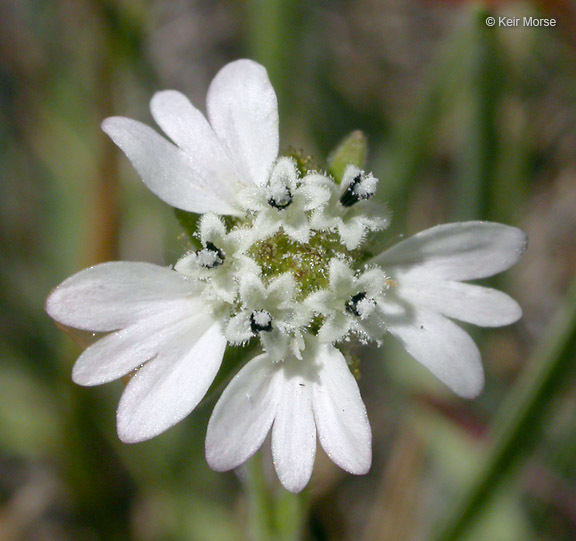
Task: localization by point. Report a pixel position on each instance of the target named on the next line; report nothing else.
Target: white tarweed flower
(290, 270)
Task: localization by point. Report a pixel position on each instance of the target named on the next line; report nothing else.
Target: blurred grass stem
(274, 27)
(477, 160)
(518, 426)
(412, 140)
(274, 514)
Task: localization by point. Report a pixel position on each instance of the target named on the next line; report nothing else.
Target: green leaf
(189, 222)
(351, 150)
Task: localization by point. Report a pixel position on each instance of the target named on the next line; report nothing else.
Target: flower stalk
(273, 513)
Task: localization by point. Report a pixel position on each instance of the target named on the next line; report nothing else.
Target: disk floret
(349, 305)
(220, 260)
(307, 262)
(270, 313)
(351, 210)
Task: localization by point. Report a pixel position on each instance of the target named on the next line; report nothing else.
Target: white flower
(213, 161)
(270, 313)
(349, 304)
(297, 400)
(157, 322)
(221, 259)
(283, 202)
(290, 269)
(350, 210)
(429, 269)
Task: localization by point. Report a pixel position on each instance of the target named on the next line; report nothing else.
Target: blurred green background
(464, 122)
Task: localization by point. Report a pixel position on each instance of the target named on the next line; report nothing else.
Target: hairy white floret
(350, 210)
(283, 203)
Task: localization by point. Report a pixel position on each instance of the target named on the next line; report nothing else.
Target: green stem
(260, 501)
(274, 514)
(518, 426)
(290, 515)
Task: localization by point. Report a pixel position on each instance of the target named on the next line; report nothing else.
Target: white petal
(253, 199)
(190, 130)
(170, 386)
(114, 295)
(471, 303)
(171, 174)
(373, 282)
(352, 232)
(122, 351)
(243, 415)
(350, 172)
(294, 430)
(335, 327)
(321, 301)
(341, 419)
(252, 291)
(296, 226)
(341, 277)
(187, 265)
(238, 329)
(276, 344)
(284, 173)
(224, 286)
(315, 195)
(281, 289)
(438, 343)
(266, 224)
(243, 111)
(211, 228)
(458, 251)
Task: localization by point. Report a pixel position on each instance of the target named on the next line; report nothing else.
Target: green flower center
(308, 263)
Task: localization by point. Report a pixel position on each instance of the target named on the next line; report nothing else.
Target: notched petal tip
(51, 303)
(243, 110)
(457, 251)
(523, 240)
